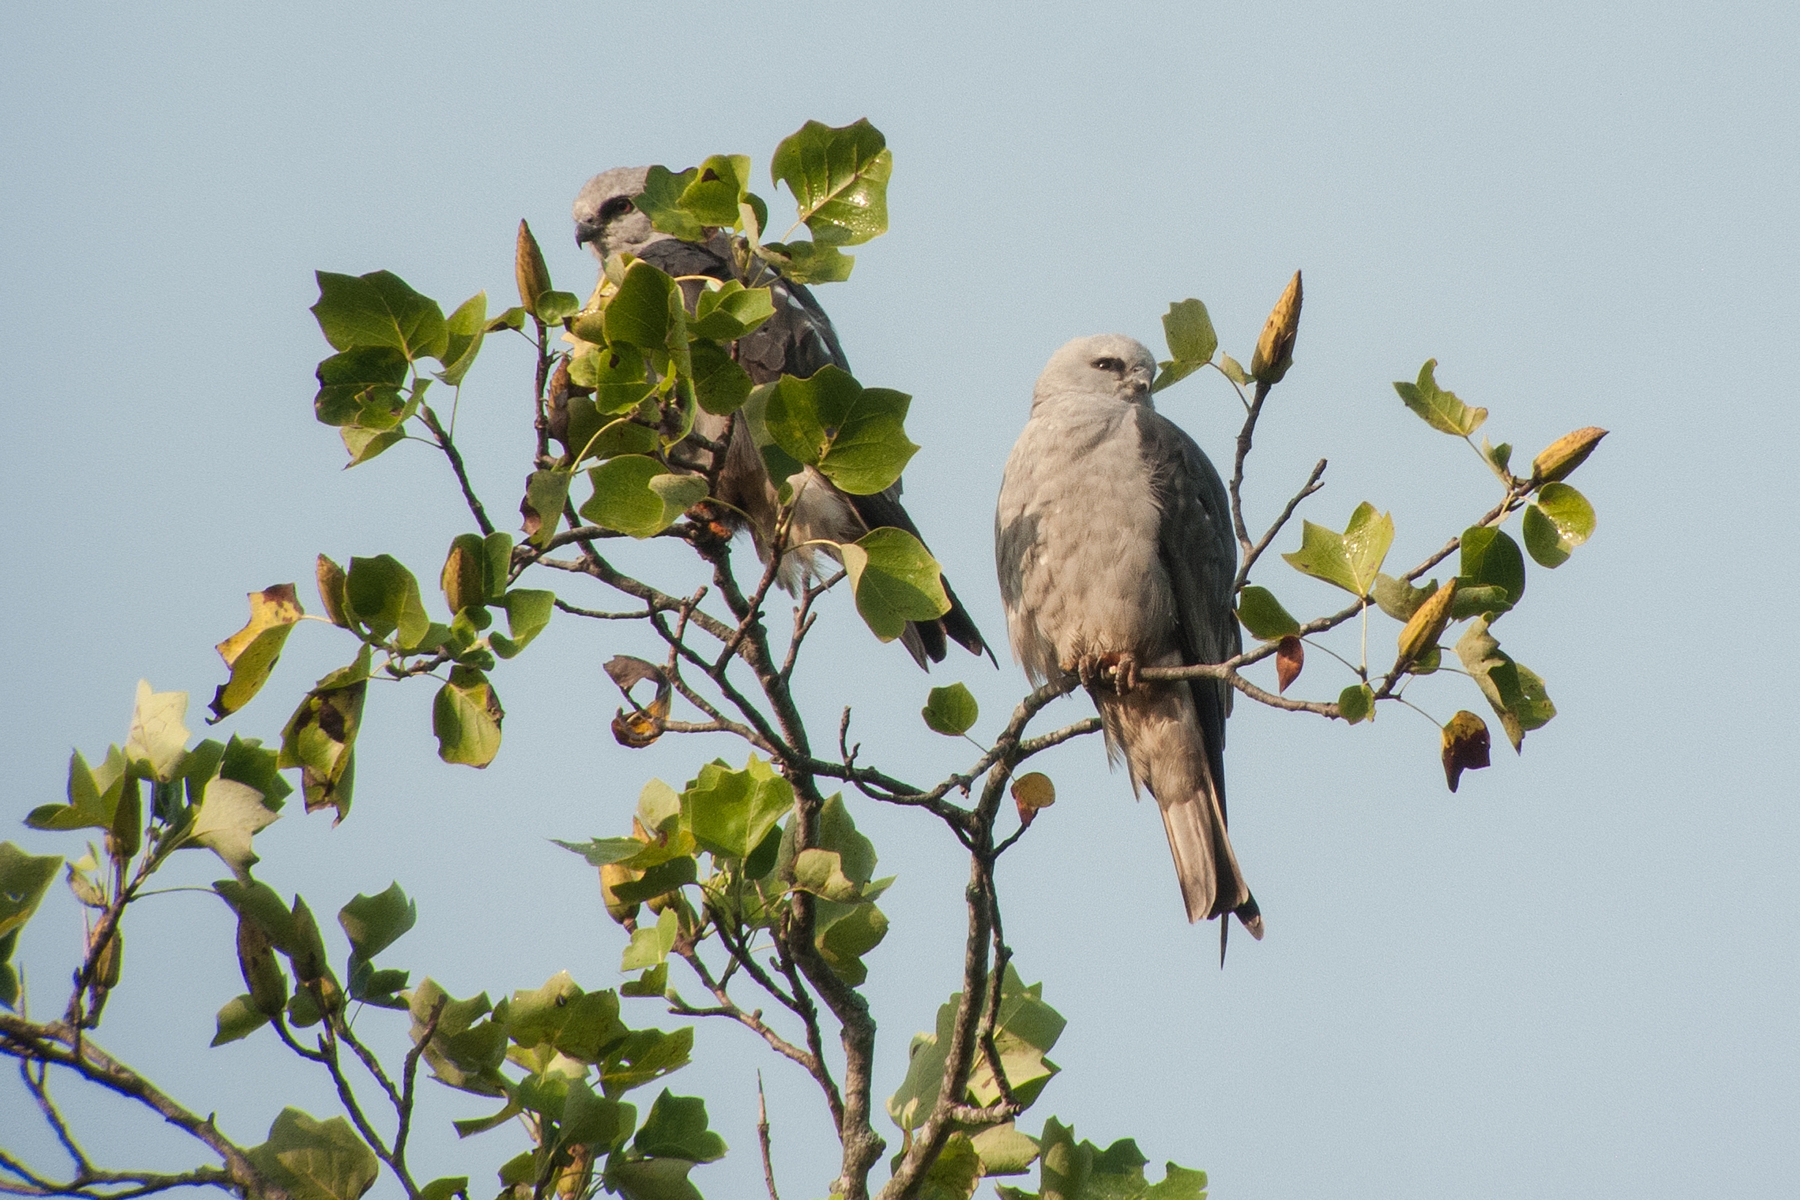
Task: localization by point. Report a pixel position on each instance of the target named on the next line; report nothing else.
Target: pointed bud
(1275, 348)
(529, 269)
(1566, 453)
(1427, 623)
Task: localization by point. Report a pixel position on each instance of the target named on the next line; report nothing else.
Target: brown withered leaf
(644, 723)
(331, 592)
(1465, 746)
(1030, 792)
(1275, 348)
(1290, 659)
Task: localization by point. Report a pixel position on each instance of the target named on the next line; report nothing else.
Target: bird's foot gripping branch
(747, 895)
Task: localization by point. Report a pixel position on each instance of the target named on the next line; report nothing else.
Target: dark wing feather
(799, 340)
(1198, 551)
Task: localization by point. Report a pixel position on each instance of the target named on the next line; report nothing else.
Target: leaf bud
(1275, 348)
(529, 269)
(1566, 453)
(462, 580)
(1427, 623)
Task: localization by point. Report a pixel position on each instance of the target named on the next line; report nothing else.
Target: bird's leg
(1125, 671)
(1121, 665)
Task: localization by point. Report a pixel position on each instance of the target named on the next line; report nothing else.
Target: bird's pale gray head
(606, 221)
(1107, 364)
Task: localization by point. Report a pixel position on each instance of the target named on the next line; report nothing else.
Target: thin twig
(1255, 552)
(762, 1137)
(448, 446)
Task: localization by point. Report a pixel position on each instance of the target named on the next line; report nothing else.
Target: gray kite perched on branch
(798, 341)
(1114, 546)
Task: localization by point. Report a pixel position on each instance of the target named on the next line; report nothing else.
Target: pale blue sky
(1576, 977)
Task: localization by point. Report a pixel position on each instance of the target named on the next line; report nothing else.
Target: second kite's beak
(585, 233)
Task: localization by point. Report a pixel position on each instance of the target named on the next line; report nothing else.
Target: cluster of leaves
(1490, 578)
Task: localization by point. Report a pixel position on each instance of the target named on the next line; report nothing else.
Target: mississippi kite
(1114, 546)
(798, 340)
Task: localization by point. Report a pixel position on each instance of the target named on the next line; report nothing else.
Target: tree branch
(448, 446)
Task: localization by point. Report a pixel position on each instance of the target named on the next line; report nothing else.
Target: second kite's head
(1107, 365)
(606, 220)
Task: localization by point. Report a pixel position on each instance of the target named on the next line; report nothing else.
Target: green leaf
(542, 507)
(658, 880)
(719, 183)
(651, 944)
(250, 654)
(1004, 1150)
(379, 309)
(1437, 408)
(592, 1120)
(639, 496)
(676, 1128)
(1491, 559)
(1233, 370)
(1192, 342)
(373, 923)
(821, 872)
(364, 443)
(895, 580)
(956, 1173)
(1516, 692)
(731, 812)
(1561, 520)
(553, 308)
(464, 332)
(24, 878)
(844, 933)
(839, 179)
(643, 1056)
(1350, 560)
(1262, 614)
(950, 710)
(653, 982)
(855, 436)
(1399, 599)
(466, 717)
(809, 262)
(1498, 457)
(1026, 1030)
(361, 386)
(384, 598)
(446, 1188)
(315, 1160)
(229, 817)
(1356, 703)
(731, 310)
(720, 385)
(93, 796)
(528, 611)
(238, 1019)
(661, 202)
(639, 312)
(651, 1179)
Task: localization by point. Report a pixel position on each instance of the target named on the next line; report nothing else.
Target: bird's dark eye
(1115, 365)
(617, 207)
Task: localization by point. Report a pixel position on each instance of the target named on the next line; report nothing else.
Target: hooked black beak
(585, 233)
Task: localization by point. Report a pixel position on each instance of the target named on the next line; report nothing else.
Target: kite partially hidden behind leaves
(1114, 546)
(797, 341)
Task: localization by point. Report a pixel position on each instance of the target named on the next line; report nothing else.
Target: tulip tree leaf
(895, 580)
(810, 262)
(839, 179)
(1437, 408)
(950, 710)
(464, 331)
(250, 653)
(373, 923)
(639, 312)
(717, 186)
(855, 436)
(731, 310)
(379, 309)
(1561, 520)
(661, 202)
(1262, 614)
(1192, 342)
(676, 1128)
(731, 812)
(384, 597)
(528, 611)
(1516, 692)
(24, 878)
(1350, 560)
(315, 1160)
(361, 386)
(1491, 559)
(320, 737)
(466, 716)
(639, 496)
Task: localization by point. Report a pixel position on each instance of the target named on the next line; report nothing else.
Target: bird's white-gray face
(606, 221)
(1108, 364)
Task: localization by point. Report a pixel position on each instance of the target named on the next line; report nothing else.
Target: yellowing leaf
(250, 654)
(158, 738)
